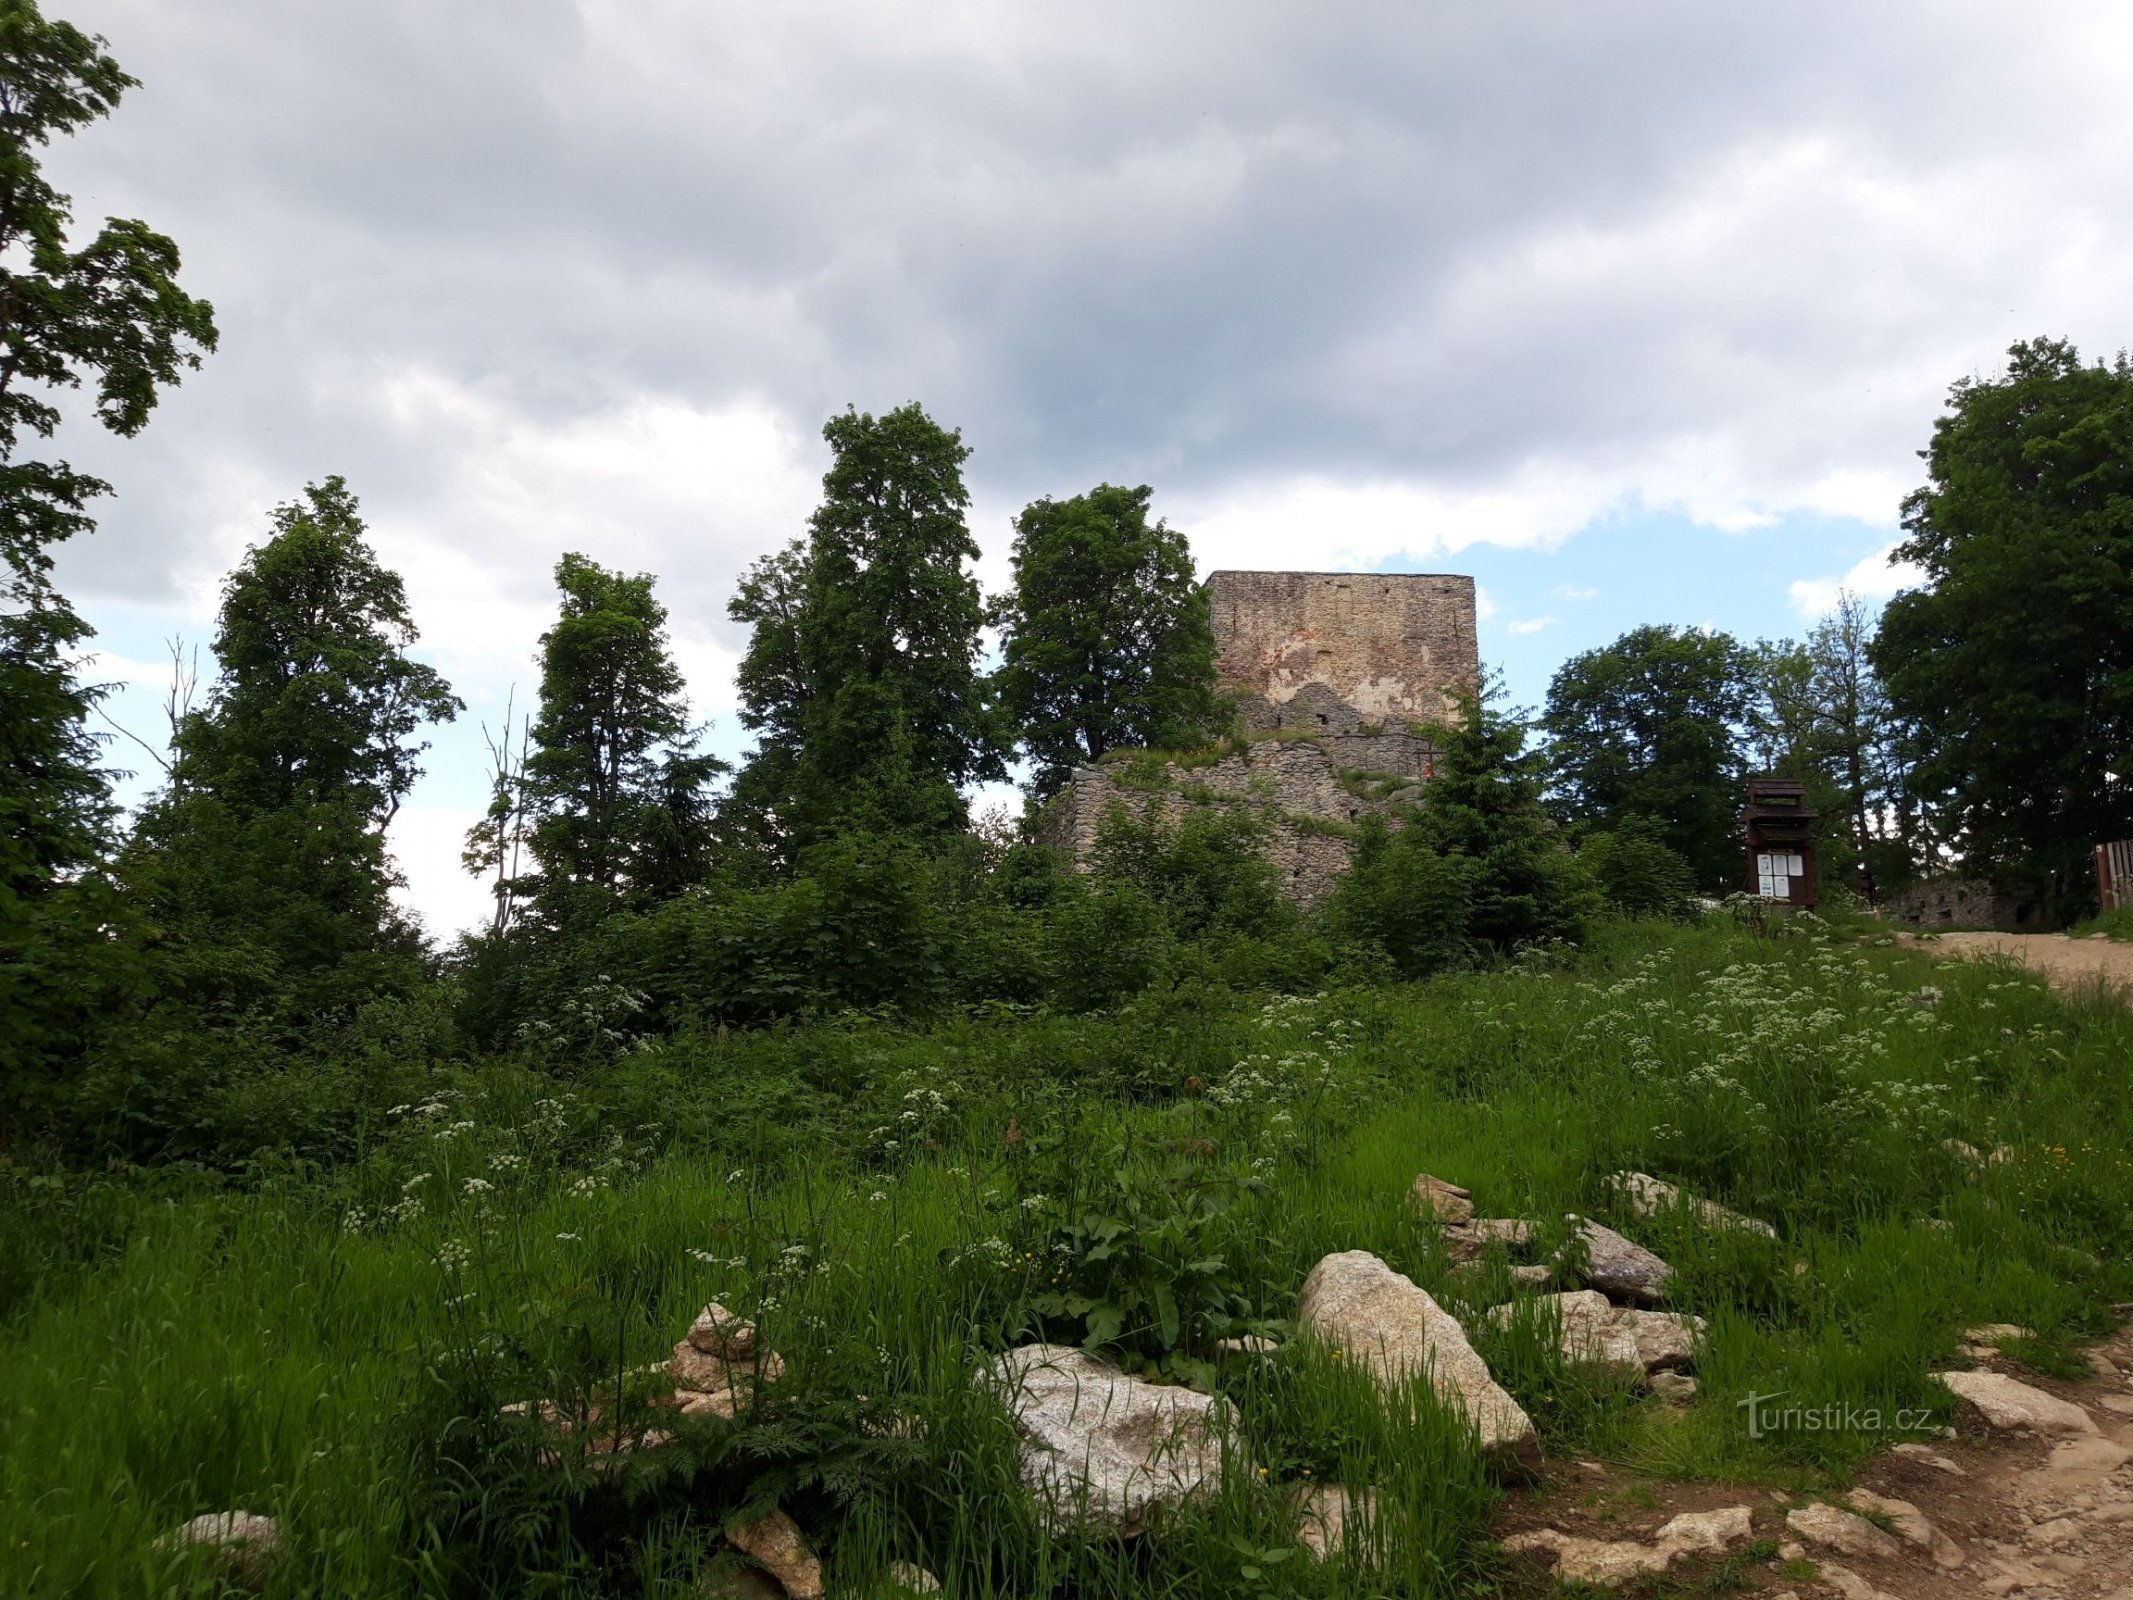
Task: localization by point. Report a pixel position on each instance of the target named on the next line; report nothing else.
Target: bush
(1404, 898)
(1635, 872)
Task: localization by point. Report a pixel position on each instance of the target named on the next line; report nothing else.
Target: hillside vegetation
(895, 1203)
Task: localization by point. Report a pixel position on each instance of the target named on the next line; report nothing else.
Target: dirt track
(2065, 962)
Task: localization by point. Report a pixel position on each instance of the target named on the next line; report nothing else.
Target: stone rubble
(1100, 1445)
(1394, 1330)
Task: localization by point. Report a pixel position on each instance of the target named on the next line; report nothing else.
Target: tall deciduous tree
(2016, 654)
(1653, 725)
(861, 675)
(109, 313)
(613, 784)
(271, 833)
(1106, 641)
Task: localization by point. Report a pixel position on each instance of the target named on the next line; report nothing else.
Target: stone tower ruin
(1335, 676)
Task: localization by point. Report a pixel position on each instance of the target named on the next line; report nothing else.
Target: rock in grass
(1594, 1330)
(1611, 1563)
(243, 1547)
(912, 1578)
(1394, 1330)
(1099, 1446)
(1912, 1526)
(1324, 1512)
(719, 1332)
(1845, 1532)
(1675, 1388)
(1619, 1269)
(2009, 1403)
(1648, 1196)
(695, 1372)
(1447, 1202)
(775, 1543)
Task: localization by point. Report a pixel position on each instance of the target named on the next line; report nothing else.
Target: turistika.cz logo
(1766, 1416)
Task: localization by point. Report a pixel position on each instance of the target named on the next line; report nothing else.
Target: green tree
(613, 786)
(1485, 804)
(1107, 641)
(2016, 654)
(111, 313)
(271, 834)
(861, 676)
(1653, 725)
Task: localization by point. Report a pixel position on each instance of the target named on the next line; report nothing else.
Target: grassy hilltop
(895, 1203)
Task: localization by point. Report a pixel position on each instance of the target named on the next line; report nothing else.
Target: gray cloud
(1342, 281)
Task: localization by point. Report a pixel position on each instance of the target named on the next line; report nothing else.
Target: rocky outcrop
(1100, 1447)
(1393, 1330)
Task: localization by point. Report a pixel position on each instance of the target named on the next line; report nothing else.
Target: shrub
(1635, 872)
(1406, 899)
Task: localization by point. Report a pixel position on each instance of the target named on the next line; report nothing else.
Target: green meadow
(335, 1344)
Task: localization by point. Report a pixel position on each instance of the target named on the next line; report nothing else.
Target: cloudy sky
(1636, 311)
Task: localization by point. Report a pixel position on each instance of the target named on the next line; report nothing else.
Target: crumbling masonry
(1334, 675)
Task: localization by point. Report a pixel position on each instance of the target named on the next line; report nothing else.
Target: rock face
(1648, 1196)
(1394, 1330)
(777, 1545)
(1099, 1445)
(1595, 1330)
(1611, 1563)
(2008, 1403)
(243, 1547)
(1619, 1269)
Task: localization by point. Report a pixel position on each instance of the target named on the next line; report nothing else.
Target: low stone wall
(1966, 903)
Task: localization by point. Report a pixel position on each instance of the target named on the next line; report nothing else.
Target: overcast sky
(1638, 312)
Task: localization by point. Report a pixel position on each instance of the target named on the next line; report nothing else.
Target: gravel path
(2066, 963)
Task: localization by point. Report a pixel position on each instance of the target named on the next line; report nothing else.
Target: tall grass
(334, 1349)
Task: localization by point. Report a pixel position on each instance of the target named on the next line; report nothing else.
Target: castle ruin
(1334, 675)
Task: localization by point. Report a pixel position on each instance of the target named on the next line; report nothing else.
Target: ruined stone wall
(1329, 670)
(1291, 787)
(1387, 645)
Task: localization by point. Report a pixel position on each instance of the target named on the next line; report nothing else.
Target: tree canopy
(1651, 726)
(1106, 640)
(861, 673)
(613, 785)
(2017, 650)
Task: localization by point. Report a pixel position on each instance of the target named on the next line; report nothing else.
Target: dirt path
(2016, 1513)
(2066, 963)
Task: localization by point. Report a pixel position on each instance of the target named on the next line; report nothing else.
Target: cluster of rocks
(1102, 1448)
(719, 1364)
